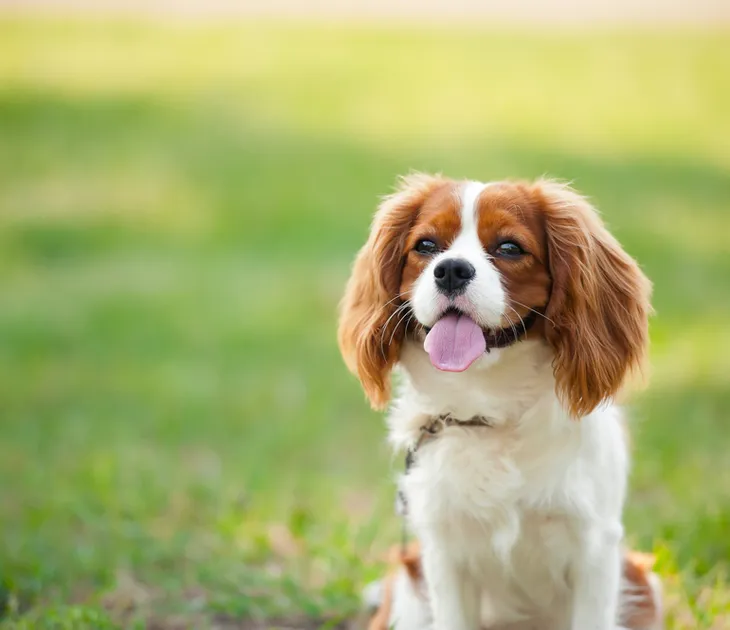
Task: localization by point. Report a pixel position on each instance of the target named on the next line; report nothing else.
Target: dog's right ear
(369, 333)
(599, 305)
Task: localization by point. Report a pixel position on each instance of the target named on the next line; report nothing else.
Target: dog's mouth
(455, 341)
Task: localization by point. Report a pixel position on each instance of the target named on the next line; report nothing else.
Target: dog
(513, 319)
(400, 599)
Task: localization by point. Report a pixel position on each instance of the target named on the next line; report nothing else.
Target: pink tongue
(454, 343)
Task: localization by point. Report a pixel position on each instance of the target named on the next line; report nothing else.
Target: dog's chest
(487, 474)
(478, 500)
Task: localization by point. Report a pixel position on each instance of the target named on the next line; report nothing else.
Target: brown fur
(369, 332)
(645, 610)
(439, 220)
(599, 303)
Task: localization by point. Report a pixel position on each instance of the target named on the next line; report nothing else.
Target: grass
(180, 445)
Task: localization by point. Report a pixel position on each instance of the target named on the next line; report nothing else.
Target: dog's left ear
(370, 328)
(599, 302)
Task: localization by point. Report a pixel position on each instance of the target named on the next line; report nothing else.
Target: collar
(435, 426)
(507, 336)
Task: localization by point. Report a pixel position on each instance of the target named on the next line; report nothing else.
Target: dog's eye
(509, 249)
(426, 247)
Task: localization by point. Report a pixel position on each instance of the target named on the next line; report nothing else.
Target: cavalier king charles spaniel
(513, 318)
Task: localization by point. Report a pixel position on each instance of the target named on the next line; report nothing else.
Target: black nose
(452, 275)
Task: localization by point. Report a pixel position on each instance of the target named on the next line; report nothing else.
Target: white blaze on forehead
(469, 235)
(469, 195)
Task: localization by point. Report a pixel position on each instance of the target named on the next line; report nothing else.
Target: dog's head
(465, 267)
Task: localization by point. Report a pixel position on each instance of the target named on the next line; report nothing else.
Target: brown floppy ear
(599, 303)
(369, 332)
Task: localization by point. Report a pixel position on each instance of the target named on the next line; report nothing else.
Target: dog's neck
(501, 387)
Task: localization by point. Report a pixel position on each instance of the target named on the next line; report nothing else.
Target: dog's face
(465, 267)
(476, 270)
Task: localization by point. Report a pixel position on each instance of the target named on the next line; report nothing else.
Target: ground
(181, 446)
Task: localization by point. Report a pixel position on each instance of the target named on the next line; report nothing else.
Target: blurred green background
(180, 444)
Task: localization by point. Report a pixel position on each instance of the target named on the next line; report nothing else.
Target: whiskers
(532, 310)
(408, 321)
(401, 312)
(404, 316)
(526, 324)
(511, 323)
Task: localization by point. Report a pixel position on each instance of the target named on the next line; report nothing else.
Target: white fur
(410, 607)
(528, 510)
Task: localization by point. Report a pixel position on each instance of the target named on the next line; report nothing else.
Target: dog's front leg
(597, 575)
(454, 593)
